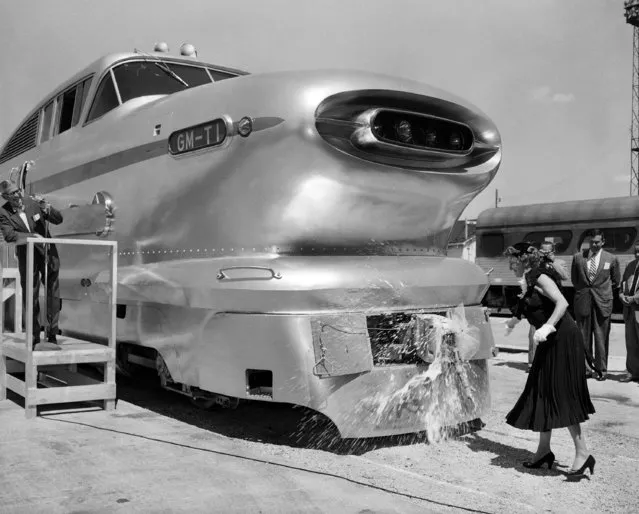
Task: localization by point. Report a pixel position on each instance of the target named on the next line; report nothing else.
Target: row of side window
(63, 112)
(134, 78)
(57, 116)
(617, 240)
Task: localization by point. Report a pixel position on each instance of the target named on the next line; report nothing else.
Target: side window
(66, 102)
(81, 99)
(45, 130)
(105, 100)
(219, 75)
(491, 245)
(617, 239)
(561, 238)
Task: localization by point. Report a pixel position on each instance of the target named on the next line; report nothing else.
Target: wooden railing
(18, 357)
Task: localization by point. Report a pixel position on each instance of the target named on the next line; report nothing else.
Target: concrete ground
(157, 453)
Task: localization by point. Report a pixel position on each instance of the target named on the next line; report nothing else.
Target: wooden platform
(55, 366)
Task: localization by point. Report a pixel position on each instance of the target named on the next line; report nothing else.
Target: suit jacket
(14, 230)
(630, 289)
(599, 292)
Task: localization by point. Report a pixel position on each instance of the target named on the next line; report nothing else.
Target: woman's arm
(546, 286)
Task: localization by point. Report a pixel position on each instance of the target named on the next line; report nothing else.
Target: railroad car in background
(566, 224)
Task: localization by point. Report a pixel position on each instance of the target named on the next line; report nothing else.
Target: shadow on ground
(265, 422)
(273, 423)
(523, 366)
(510, 457)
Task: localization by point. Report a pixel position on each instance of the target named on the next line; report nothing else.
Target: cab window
(219, 75)
(561, 239)
(616, 239)
(105, 100)
(145, 78)
(192, 75)
(491, 245)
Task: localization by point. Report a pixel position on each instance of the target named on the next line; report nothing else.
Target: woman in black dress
(556, 392)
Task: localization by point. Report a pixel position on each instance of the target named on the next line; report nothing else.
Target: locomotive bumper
(370, 378)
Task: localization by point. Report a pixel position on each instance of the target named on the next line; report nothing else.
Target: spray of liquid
(441, 396)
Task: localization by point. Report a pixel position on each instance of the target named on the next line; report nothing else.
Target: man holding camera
(21, 218)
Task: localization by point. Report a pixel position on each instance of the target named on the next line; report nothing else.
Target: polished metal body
(235, 256)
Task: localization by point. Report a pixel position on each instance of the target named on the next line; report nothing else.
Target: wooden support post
(3, 359)
(3, 374)
(18, 313)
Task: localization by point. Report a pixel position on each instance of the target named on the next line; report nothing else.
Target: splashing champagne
(443, 393)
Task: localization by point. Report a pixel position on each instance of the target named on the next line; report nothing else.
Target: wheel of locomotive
(233, 403)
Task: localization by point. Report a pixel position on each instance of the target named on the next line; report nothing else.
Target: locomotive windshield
(134, 79)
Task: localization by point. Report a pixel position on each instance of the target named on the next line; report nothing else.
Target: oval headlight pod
(245, 126)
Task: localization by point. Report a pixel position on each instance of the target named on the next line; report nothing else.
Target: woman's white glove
(511, 324)
(542, 333)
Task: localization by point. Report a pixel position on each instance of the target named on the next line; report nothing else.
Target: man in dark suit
(21, 218)
(595, 274)
(629, 297)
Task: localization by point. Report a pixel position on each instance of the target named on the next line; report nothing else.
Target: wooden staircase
(54, 366)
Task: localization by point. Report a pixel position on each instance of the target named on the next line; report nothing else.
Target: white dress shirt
(25, 220)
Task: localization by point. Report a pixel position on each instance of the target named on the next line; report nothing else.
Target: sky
(554, 75)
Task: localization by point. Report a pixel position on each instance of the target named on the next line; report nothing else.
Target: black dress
(556, 392)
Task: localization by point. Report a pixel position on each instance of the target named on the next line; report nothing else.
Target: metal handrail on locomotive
(567, 225)
(277, 231)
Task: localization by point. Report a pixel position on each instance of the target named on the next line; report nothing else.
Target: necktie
(592, 269)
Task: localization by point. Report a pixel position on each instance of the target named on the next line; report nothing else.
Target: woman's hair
(526, 253)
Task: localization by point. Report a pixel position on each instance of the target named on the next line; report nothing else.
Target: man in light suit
(21, 218)
(595, 274)
(629, 297)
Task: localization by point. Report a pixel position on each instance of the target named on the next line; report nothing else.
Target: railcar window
(81, 99)
(46, 122)
(66, 102)
(491, 245)
(617, 239)
(561, 239)
(105, 99)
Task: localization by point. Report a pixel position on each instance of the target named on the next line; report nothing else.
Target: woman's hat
(518, 249)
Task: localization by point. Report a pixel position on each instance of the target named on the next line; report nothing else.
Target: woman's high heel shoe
(590, 464)
(549, 458)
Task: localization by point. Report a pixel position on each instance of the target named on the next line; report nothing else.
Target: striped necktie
(592, 269)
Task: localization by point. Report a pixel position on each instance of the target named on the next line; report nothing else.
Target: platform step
(68, 351)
